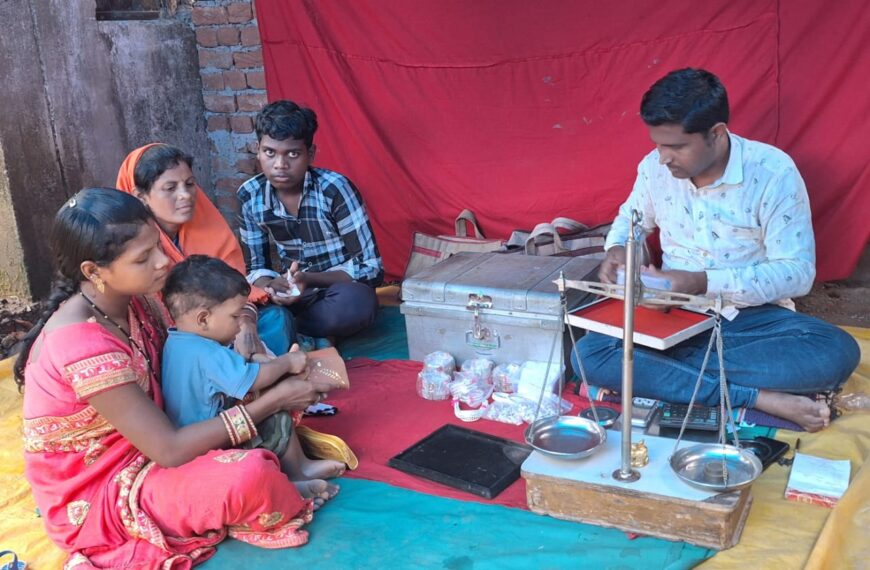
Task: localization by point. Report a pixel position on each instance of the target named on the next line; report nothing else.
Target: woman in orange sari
(160, 176)
(118, 486)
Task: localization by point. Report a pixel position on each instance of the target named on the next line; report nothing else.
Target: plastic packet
(440, 361)
(513, 409)
(853, 402)
(470, 389)
(551, 405)
(505, 377)
(480, 366)
(503, 411)
(433, 385)
(535, 377)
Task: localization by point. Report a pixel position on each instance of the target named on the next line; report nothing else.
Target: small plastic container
(470, 389)
(481, 367)
(433, 385)
(505, 377)
(440, 361)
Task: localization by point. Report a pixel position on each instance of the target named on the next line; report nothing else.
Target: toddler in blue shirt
(201, 375)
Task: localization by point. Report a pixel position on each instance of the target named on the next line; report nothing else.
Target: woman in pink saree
(117, 484)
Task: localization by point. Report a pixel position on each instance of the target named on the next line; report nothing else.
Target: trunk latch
(476, 303)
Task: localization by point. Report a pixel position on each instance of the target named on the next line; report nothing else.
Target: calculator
(701, 418)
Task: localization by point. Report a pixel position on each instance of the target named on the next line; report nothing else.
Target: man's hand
(689, 282)
(614, 260)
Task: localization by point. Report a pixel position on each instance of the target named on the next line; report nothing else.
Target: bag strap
(459, 226)
(540, 230)
(569, 225)
(576, 231)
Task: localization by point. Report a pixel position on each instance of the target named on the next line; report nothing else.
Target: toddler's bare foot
(317, 489)
(807, 413)
(322, 468)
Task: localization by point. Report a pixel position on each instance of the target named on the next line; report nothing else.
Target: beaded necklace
(133, 343)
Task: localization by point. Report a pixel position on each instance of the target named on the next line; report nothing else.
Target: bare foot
(321, 468)
(317, 489)
(807, 413)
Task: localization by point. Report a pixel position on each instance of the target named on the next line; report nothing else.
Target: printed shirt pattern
(751, 230)
(331, 232)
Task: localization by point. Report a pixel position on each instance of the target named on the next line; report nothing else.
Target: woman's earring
(99, 284)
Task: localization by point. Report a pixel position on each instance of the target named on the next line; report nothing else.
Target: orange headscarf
(206, 233)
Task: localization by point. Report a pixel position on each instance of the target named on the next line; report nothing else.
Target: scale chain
(582, 369)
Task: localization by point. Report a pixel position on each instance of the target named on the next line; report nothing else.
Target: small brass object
(639, 454)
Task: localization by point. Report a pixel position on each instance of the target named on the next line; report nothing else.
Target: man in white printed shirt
(734, 220)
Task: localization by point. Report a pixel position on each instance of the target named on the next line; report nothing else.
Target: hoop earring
(99, 284)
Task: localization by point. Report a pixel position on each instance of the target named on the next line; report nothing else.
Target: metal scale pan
(566, 437)
(716, 467)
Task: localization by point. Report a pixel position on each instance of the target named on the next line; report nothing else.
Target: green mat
(375, 525)
(386, 339)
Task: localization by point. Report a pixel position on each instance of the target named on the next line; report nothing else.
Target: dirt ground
(845, 302)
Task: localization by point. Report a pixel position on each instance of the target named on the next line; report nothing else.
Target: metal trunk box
(504, 307)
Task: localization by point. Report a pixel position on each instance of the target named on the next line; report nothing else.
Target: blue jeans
(766, 348)
(342, 309)
(276, 328)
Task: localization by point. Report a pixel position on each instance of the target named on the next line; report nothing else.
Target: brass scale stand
(578, 490)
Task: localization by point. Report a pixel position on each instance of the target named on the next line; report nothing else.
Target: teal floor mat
(375, 525)
(386, 339)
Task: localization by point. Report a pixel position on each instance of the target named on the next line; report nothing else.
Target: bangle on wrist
(229, 429)
(239, 424)
(250, 312)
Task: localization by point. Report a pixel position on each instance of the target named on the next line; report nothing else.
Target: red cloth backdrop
(522, 111)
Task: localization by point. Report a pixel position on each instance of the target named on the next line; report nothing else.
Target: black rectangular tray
(464, 459)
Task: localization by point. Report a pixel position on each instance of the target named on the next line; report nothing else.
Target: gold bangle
(239, 424)
(251, 425)
(229, 428)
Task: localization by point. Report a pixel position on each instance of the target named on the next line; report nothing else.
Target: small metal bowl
(716, 467)
(566, 437)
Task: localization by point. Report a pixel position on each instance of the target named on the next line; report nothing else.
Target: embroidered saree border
(98, 373)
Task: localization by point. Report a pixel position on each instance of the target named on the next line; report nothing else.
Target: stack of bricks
(234, 90)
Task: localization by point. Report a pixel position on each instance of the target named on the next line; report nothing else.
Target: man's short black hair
(201, 282)
(285, 119)
(693, 98)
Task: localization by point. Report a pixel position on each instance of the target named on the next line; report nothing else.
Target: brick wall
(234, 89)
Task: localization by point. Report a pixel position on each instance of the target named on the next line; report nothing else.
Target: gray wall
(77, 96)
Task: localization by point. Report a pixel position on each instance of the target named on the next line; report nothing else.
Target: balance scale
(657, 504)
(652, 500)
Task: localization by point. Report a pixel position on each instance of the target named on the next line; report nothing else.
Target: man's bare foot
(317, 489)
(807, 413)
(321, 468)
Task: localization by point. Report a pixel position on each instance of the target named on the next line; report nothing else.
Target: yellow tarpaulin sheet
(784, 534)
(778, 534)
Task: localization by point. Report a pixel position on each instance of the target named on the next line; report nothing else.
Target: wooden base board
(716, 522)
